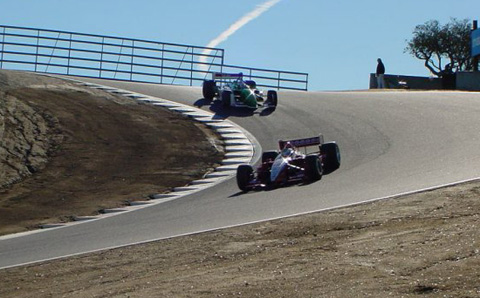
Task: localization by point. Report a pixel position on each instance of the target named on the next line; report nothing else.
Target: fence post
(221, 65)
(3, 48)
(161, 63)
(191, 69)
(69, 54)
(131, 60)
(36, 50)
(101, 58)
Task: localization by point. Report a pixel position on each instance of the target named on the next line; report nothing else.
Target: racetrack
(391, 142)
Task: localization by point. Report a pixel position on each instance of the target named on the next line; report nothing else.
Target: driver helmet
(287, 149)
(239, 83)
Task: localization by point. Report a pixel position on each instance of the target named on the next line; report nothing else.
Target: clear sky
(336, 42)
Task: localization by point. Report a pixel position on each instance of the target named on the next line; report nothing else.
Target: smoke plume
(259, 10)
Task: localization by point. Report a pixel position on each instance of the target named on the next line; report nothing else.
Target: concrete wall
(409, 82)
(469, 81)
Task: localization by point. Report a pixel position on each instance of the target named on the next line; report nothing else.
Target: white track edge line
(252, 222)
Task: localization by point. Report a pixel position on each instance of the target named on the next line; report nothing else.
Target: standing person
(380, 74)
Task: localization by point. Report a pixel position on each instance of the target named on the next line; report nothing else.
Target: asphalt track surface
(391, 143)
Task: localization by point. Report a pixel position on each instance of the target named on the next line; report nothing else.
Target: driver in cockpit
(288, 150)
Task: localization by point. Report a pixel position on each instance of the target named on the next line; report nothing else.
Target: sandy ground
(422, 245)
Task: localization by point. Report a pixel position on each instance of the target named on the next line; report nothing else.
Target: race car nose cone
(249, 98)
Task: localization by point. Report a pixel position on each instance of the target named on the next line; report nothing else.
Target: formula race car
(233, 91)
(290, 165)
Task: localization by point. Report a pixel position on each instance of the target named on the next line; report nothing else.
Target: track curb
(239, 146)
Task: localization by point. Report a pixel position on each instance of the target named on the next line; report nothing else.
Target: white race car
(289, 165)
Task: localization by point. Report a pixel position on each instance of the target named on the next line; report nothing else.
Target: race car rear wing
(307, 142)
(225, 76)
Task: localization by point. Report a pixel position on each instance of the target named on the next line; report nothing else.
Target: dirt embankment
(69, 151)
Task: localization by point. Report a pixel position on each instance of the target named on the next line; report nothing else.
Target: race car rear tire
(244, 176)
(226, 97)
(208, 89)
(272, 98)
(269, 155)
(331, 151)
(313, 168)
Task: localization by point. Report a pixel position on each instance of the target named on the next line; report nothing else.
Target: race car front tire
(208, 89)
(272, 98)
(244, 176)
(226, 97)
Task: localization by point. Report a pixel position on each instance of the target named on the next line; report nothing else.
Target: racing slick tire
(313, 168)
(269, 155)
(226, 97)
(208, 89)
(272, 98)
(244, 176)
(331, 151)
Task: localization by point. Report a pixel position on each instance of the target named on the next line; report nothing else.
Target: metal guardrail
(118, 58)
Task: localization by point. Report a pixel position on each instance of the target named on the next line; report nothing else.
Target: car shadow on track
(270, 188)
(287, 185)
(222, 112)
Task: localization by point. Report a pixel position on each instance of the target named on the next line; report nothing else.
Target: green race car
(233, 91)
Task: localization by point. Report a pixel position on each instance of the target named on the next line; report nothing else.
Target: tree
(438, 44)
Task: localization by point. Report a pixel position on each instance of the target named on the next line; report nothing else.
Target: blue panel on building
(476, 42)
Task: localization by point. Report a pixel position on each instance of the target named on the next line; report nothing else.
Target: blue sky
(336, 42)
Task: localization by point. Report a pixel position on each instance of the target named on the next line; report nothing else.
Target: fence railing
(118, 58)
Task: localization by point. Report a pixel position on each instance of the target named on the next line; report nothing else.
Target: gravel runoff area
(420, 245)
